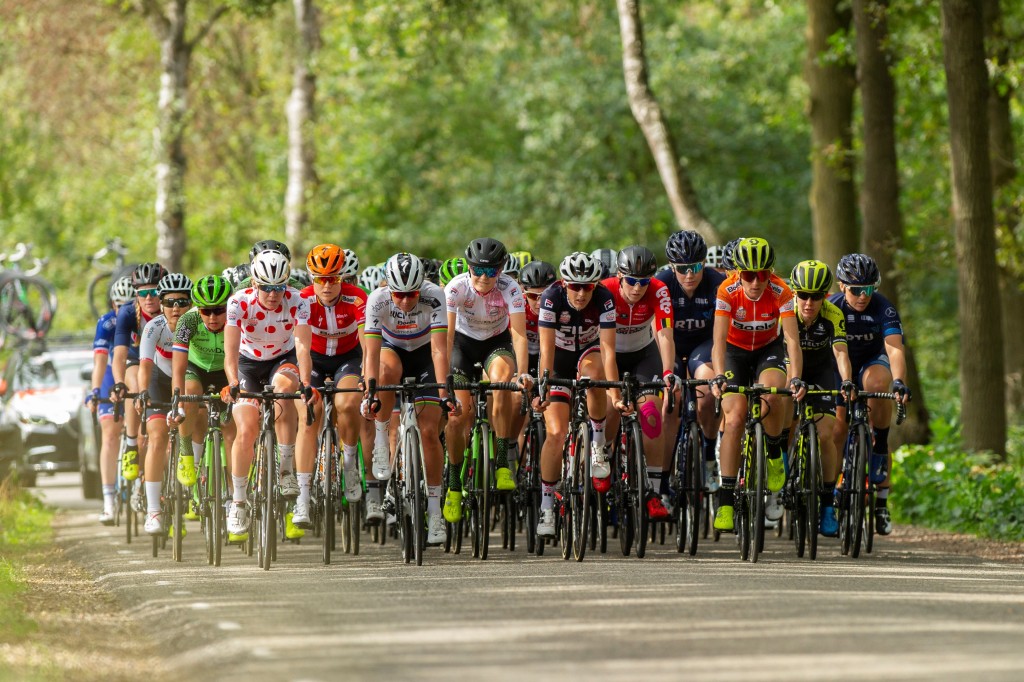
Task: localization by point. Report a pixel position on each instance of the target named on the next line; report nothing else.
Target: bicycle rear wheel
(579, 491)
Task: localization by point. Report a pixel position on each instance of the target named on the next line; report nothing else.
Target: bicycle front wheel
(268, 506)
(638, 487)
(484, 483)
(860, 473)
(813, 484)
(757, 489)
(414, 487)
(694, 487)
(580, 490)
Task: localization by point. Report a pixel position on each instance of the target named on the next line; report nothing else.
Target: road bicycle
(528, 486)
(99, 285)
(689, 492)
(28, 302)
(172, 494)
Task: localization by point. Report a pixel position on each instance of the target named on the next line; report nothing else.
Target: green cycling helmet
(452, 268)
(811, 276)
(211, 291)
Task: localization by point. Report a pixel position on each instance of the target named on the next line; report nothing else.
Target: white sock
(547, 495)
(598, 427)
(287, 458)
(131, 442)
(373, 492)
(153, 496)
(434, 498)
(197, 450)
(349, 453)
(304, 483)
(240, 483)
(380, 435)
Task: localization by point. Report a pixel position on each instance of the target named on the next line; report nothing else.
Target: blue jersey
(103, 342)
(866, 331)
(694, 315)
(126, 330)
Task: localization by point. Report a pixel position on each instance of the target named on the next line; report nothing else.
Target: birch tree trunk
(830, 110)
(983, 411)
(647, 112)
(301, 150)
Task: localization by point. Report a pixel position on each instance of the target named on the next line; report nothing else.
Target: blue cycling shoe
(829, 524)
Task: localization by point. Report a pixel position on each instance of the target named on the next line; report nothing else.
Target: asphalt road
(900, 613)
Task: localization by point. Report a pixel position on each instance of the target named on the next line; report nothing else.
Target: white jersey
(267, 333)
(410, 330)
(483, 317)
(157, 344)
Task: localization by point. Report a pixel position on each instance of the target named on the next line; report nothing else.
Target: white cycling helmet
(122, 291)
(270, 268)
(350, 268)
(371, 277)
(404, 272)
(580, 267)
(174, 281)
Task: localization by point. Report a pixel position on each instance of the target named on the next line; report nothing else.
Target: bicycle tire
(327, 457)
(28, 305)
(813, 508)
(268, 529)
(694, 488)
(484, 490)
(98, 297)
(797, 521)
(563, 506)
(860, 468)
(869, 519)
(602, 522)
(758, 490)
(218, 481)
(414, 481)
(355, 524)
(638, 491)
(580, 492)
(623, 509)
(741, 513)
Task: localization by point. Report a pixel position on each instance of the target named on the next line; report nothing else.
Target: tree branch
(152, 10)
(207, 25)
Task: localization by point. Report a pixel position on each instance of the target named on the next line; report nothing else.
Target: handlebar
(269, 395)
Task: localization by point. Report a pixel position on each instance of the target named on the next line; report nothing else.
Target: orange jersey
(754, 324)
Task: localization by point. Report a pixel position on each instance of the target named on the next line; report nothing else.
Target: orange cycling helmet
(326, 259)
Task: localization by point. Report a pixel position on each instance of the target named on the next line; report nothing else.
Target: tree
(831, 84)
(681, 194)
(300, 109)
(983, 412)
(880, 190)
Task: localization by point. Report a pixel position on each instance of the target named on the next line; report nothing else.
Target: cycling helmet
(728, 253)
(523, 257)
(537, 274)
(431, 269)
(242, 272)
(270, 268)
(636, 261)
(147, 274)
(715, 257)
(301, 278)
(350, 268)
(269, 245)
(858, 269)
(122, 291)
(486, 252)
(511, 266)
(753, 253)
(686, 246)
(580, 267)
(608, 260)
(811, 276)
(174, 281)
(210, 291)
(452, 268)
(404, 272)
(371, 277)
(325, 259)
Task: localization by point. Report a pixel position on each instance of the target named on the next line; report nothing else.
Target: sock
(726, 494)
(709, 447)
(304, 483)
(881, 437)
(153, 497)
(598, 427)
(197, 449)
(513, 453)
(109, 490)
(240, 483)
(501, 456)
(773, 449)
(287, 458)
(455, 477)
(547, 495)
(380, 434)
(373, 491)
(654, 478)
(783, 442)
(827, 496)
(433, 499)
(349, 453)
(131, 441)
(882, 498)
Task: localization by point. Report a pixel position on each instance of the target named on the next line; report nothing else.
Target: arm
(720, 336)
(897, 356)
(439, 356)
(517, 323)
(303, 342)
(179, 363)
(842, 355)
(611, 368)
(791, 333)
(451, 331)
(232, 340)
(119, 364)
(666, 341)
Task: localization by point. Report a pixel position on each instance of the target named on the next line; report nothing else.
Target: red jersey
(754, 324)
(633, 321)
(336, 328)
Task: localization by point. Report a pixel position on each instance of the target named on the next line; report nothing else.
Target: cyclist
(693, 289)
(371, 278)
(714, 258)
(121, 292)
(155, 352)
(511, 267)
(450, 269)
(336, 315)
(874, 334)
(406, 336)
(267, 341)
(197, 366)
(646, 349)
(431, 270)
(608, 258)
(486, 325)
(752, 306)
(823, 342)
(350, 270)
(577, 338)
(131, 319)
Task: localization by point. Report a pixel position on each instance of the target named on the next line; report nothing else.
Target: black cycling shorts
(743, 367)
(467, 352)
(337, 367)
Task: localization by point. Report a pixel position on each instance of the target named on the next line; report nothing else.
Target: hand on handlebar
(901, 390)
(718, 385)
(229, 394)
(310, 395)
(799, 388)
(454, 406)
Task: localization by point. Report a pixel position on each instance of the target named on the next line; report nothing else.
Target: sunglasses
(805, 295)
(862, 291)
(327, 279)
(532, 296)
(209, 312)
(578, 286)
(176, 303)
(759, 275)
(147, 293)
(404, 295)
(636, 281)
(688, 268)
(480, 271)
(273, 288)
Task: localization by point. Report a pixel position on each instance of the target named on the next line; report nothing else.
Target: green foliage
(24, 527)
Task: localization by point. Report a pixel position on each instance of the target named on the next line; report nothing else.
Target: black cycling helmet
(431, 269)
(537, 274)
(858, 269)
(686, 246)
(486, 252)
(147, 274)
(269, 245)
(636, 261)
(728, 253)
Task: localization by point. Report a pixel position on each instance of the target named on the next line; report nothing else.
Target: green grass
(24, 528)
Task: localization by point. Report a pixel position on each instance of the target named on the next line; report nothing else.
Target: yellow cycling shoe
(453, 506)
(170, 531)
(187, 470)
(503, 476)
(191, 514)
(723, 519)
(130, 464)
(776, 474)
(291, 531)
(236, 539)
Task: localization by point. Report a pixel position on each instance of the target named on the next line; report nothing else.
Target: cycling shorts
(643, 365)
(253, 375)
(744, 367)
(567, 366)
(468, 352)
(687, 364)
(206, 378)
(419, 365)
(159, 392)
(337, 367)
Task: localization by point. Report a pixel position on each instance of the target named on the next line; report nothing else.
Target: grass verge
(24, 530)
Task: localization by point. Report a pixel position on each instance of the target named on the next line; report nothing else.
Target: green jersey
(205, 348)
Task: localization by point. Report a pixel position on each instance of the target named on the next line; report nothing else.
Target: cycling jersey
(866, 331)
(267, 333)
(157, 344)
(692, 316)
(410, 330)
(532, 332)
(103, 341)
(126, 329)
(633, 330)
(754, 324)
(576, 330)
(335, 328)
(817, 338)
(205, 348)
(483, 316)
